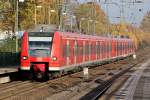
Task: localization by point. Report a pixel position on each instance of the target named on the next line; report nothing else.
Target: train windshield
(40, 49)
(40, 46)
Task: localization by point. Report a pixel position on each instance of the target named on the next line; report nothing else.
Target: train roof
(84, 36)
(77, 35)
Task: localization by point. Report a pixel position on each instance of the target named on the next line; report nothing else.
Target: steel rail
(100, 90)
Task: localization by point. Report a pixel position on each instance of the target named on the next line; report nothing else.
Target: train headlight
(24, 57)
(54, 58)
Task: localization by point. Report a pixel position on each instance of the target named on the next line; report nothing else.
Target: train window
(93, 49)
(41, 34)
(107, 47)
(89, 52)
(81, 49)
(84, 48)
(97, 48)
(102, 48)
(64, 51)
(40, 48)
(68, 49)
(110, 46)
(76, 49)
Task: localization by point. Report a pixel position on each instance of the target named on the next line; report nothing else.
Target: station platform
(137, 87)
(8, 69)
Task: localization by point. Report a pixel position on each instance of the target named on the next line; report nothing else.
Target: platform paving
(8, 69)
(142, 91)
(137, 87)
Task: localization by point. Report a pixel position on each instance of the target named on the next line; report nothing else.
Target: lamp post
(35, 13)
(72, 18)
(80, 25)
(16, 22)
(89, 25)
(61, 25)
(95, 22)
(49, 14)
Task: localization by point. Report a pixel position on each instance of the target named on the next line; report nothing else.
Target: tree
(92, 12)
(8, 20)
(26, 15)
(146, 22)
(145, 27)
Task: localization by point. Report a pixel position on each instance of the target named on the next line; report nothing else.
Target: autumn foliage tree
(92, 12)
(145, 26)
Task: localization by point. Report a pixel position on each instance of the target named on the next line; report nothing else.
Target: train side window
(109, 46)
(102, 48)
(64, 50)
(89, 49)
(92, 49)
(75, 48)
(84, 48)
(97, 48)
(81, 49)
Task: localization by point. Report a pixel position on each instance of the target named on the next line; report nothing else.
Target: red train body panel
(61, 51)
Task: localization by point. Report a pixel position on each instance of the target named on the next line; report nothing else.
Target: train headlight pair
(54, 58)
(24, 57)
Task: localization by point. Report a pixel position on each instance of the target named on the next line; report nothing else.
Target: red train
(57, 53)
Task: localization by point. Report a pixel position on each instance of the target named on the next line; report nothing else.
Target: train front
(35, 53)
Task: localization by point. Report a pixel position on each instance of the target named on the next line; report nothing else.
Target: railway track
(96, 93)
(18, 88)
(100, 90)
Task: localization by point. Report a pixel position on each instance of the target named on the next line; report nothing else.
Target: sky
(130, 12)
